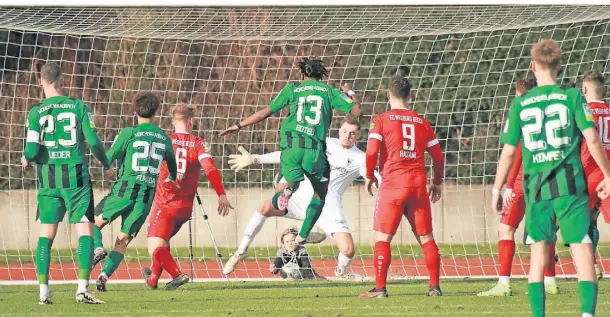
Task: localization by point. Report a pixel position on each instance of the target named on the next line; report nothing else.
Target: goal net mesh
(230, 62)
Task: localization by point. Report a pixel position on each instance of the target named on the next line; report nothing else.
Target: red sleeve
(514, 170)
(373, 146)
(438, 160)
(206, 161)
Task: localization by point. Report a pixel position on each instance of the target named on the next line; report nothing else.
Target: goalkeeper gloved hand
(239, 161)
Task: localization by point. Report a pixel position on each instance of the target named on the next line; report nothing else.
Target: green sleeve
(90, 133)
(341, 101)
(512, 130)
(32, 143)
(170, 159)
(283, 98)
(582, 114)
(117, 149)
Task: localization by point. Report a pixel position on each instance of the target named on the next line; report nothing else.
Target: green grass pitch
(301, 299)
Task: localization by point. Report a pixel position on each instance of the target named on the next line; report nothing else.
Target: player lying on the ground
(292, 260)
(594, 89)
(57, 130)
(139, 152)
(402, 137)
(347, 164)
(550, 121)
(302, 136)
(513, 212)
(172, 208)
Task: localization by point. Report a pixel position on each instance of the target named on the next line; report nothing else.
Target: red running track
(260, 269)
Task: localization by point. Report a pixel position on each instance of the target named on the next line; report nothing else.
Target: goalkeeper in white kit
(347, 164)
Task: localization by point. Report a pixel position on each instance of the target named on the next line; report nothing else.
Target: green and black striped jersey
(57, 130)
(139, 152)
(549, 120)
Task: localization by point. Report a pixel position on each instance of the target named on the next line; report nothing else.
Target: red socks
(383, 257)
(506, 250)
(433, 261)
(164, 258)
(550, 269)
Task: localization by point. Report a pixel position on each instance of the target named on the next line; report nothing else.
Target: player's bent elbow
(355, 111)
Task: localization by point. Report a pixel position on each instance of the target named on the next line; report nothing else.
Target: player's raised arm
(90, 133)
(32, 142)
(211, 172)
(372, 154)
(280, 101)
(345, 101)
(238, 162)
(510, 137)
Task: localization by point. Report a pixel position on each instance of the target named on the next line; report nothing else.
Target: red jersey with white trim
(190, 150)
(405, 136)
(601, 114)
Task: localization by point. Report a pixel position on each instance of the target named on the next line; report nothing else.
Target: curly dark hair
(146, 104)
(313, 68)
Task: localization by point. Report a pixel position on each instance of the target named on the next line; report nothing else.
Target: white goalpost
(229, 61)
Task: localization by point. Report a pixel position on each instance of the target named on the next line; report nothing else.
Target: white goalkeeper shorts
(331, 220)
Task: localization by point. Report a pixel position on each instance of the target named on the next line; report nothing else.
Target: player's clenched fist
(238, 162)
(603, 189)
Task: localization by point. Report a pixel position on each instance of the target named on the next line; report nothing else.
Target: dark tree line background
(463, 84)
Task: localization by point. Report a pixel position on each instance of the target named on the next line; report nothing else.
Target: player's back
(57, 123)
(550, 119)
(405, 136)
(189, 150)
(145, 147)
(601, 115)
(311, 105)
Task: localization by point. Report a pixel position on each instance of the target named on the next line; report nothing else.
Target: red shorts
(165, 222)
(514, 213)
(393, 203)
(593, 180)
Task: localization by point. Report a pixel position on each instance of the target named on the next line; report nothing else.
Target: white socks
(504, 280)
(549, 280)
(83, 286)
(44, 290)
(252, 229)
(343, 262)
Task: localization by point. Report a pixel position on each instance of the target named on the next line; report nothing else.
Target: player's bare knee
(506, 232)
(100, 222)
(48, 231)
(426, 238)
(266, 209)
(84, 229)
(121, 243)
(383, 237)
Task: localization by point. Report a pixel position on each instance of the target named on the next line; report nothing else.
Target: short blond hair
(547, 53)
(182, 112)
(288, 231)
(595, 79)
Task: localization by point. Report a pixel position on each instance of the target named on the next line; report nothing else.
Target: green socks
(314, 210)
(97, 237)
(112, 262)
(587, 291)
(85, 257)
(43, 259)
(537, 298)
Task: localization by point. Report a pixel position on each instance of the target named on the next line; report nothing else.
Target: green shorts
(54, 202)
(296, 163)
(133, 213)
(571, 213)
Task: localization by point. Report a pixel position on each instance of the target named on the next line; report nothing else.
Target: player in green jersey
(139, 152)
(551, 121)
(303, 134)
(57, 130)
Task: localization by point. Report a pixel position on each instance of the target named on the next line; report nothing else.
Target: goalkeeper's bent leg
(256, 223)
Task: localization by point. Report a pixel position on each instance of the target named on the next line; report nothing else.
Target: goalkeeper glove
(239, 161)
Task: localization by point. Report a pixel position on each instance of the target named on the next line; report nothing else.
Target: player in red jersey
(172, 208)
(512, 215)
(401, 137)
(594, 89)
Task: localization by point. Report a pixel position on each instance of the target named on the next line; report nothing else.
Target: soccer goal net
(229, 62)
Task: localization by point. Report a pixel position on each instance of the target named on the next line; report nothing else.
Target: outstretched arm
(253, 119)
(238, 162)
